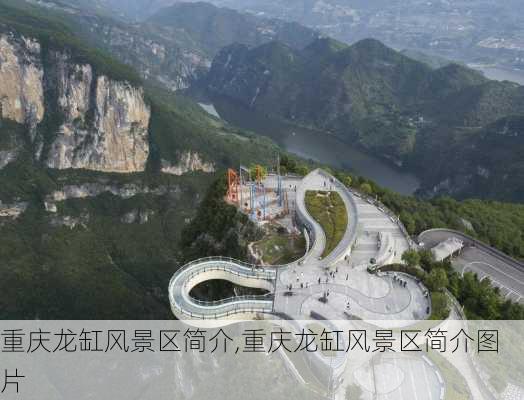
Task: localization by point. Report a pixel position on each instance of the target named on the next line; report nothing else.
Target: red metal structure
(233, 183)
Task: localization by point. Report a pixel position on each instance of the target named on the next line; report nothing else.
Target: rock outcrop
(88, 190)
(189, 162)
(105, 123)
(21, 80)
(6, 156)
(114, 138)
(12, 211)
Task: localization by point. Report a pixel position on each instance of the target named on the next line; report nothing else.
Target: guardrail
(229, 261)
(245, 298)
(251, 307)
(235, 305)
(350, 235)
(305, 218)
(253, 272)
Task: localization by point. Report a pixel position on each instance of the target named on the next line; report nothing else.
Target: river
(321, 147)
(501, 74)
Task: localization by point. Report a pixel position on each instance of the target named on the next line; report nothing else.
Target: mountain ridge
(370, 95)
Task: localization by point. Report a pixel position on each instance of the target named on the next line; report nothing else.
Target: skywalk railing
(237, 307)
(230, 264)
(233, 299)
(225, 307)
(350, 234)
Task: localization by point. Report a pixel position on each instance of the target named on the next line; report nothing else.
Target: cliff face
(114, 138)
(104, 122)
(154, 56)
(21, 81)
(189, 162)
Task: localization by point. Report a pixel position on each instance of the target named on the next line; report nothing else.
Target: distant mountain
(130, 10)
(371, 95)
(474, 31)
(214, 28)
(175, 47)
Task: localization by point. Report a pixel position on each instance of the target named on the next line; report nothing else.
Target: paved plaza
(399, 377)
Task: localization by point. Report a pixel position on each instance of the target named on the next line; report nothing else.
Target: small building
(447, 248)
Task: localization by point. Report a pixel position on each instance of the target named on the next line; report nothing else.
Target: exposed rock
(137, 217)
(117, 141)
(50, 207)
(69, 221)
(105, 122)
(74, 88)
(6, 157)
(21, 80)
(12, 210)
(155, 57)
(189, 162)
(467, 224)
(95, 189)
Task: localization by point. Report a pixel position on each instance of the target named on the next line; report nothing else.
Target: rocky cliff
(21, 80)
(189, 162)
(116, 138)
(104, 122)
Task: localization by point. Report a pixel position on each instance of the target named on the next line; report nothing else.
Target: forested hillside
(99, 174)
(390, 105)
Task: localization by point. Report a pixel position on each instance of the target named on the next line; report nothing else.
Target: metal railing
(233, 305)
(248, 268)
(230, 300)
(246, 307)
(350, 235)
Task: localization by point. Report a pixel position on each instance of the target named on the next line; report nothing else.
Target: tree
(347, 180)
(302, 170)
(408, 221)
(437, 280)
(253, 172)
(427, 259)
(366, 188)
(439, 304)
(411, 258)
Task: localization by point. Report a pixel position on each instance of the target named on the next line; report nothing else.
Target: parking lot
(504, 273)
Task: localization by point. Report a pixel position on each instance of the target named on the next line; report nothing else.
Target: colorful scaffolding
(246, 188)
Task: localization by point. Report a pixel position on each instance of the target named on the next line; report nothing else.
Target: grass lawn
(280, 248)
(329, 211)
